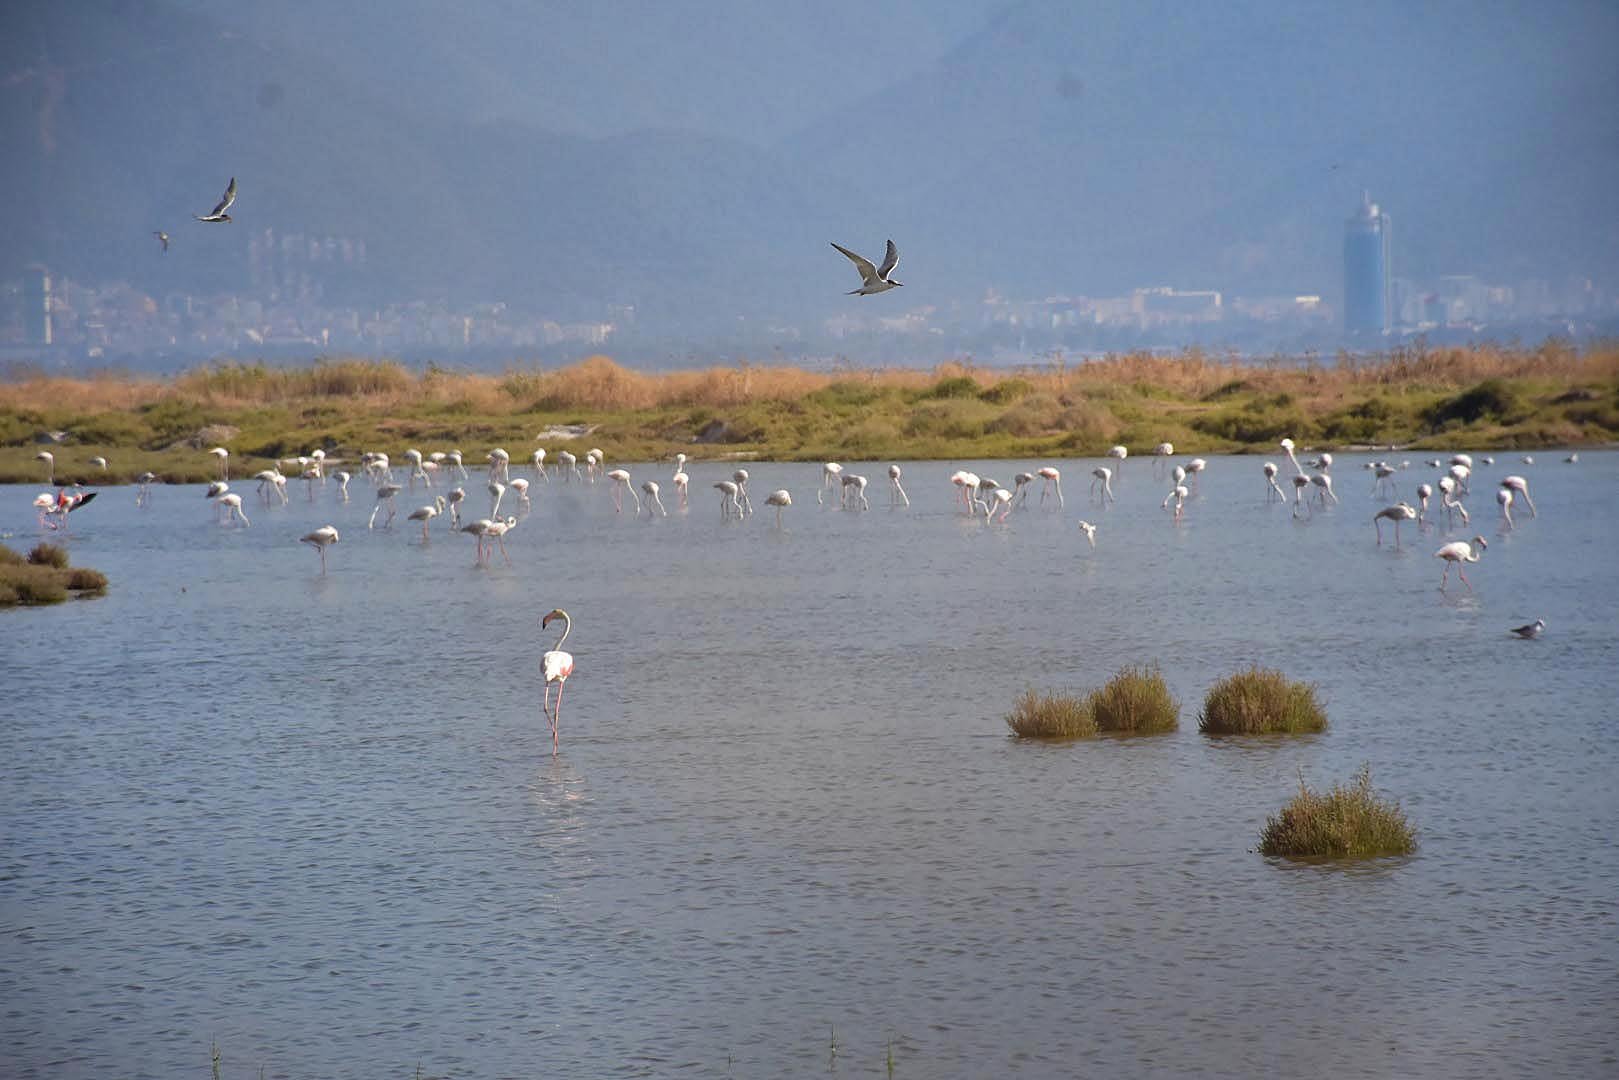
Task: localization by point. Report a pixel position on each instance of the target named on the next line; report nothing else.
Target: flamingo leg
(556, 718)
(502, 541)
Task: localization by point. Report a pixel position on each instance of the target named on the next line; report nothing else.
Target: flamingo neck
(567, 625)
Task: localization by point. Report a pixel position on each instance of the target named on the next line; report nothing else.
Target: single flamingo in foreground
(779, 499)
(1455, 554)
(555, 666)
(321, 539)
(1397, 513)
(896, 493)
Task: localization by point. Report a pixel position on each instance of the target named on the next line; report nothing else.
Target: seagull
(218, 212)
(874, 279)
(162, 238)
(1531, 631)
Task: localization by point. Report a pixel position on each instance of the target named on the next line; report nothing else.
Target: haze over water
(317, 819)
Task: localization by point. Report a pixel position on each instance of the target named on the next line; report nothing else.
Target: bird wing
(224, 204)
(890, 260)
(868, 272)
(81, 500)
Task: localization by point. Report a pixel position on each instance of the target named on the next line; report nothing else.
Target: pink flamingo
(1397, 513)
(1050, 478)
(1457, 553)
(555, 666)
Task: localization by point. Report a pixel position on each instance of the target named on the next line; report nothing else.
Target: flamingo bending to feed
(569, 465)
(741, 478)
(1119, 452)
(1397, 513)
(1300, 484)
(779, 499)
(727, 490)
(497, 491)
(650, 487)
(520, 485)
(1103, 480)
(1520, 486)
(1180, 495)
(454, 458)
(1457, 553)
(454, 500)
(342, 479)
(1271, 486)
(1384, 473)
(222, 455)
(321, 539)
(621, 484)
(896, 492)
(1424, 493)
(1020, 487)
(555, 666)
(233, 508)
(829, 478)
(539, 466)
(854, 490)
(999, 498)
(385, 494)
(682, 482)
(1050, 480)
(500, 465)
(1160, 456)
(1448, 499)
(1323, 483)
(1503, 498)
(425, 514)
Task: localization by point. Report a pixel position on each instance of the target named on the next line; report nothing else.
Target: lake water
(317, 820)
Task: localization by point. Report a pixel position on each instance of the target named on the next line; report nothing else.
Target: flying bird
(873, 279)
(1530, 631)
(218, 212)
(162, 238)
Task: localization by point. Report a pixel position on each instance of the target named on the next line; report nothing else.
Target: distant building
(1368, 273)
(36, 299)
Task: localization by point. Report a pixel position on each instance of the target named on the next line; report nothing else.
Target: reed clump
(44, 577)
(1051, 716)
(1136, 701)
(1261, 701)
(1348, 822)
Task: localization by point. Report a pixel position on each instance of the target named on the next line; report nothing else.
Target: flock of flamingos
(984, 497)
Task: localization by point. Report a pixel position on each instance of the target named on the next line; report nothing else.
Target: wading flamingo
(727, 490)
(653, 499)
(1194, 469)
(1102, 481)
(50, 465)
(497, 491)
(143, 493)
(1397, 513)
(1160, 457)
(385, 494)
(1424, 493)
(1000, 499)
(896, 492)
(233, 508)
(829, 481)
(1519, 486)
(1180, 495)
(454, 458)
(570, 466)
(854, 492)
(1119, 453)
(425, 514)
(741, 479)
(1448, 499)
(1385, 479)
(1050, 480)
(1020, 487)
(1271, 486)
(500, 465)
(454, 499)
(1457, 553)
(1323, 484)
(621, 484)
(779, 499)
(520, 485)
(681, 480)
(539, 466)
(342, 479)
(222, 456)
(321, 539)
(555, 666)
(1301, 484)
(1503, 499)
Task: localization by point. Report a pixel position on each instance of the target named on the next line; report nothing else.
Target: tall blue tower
(1368, 275)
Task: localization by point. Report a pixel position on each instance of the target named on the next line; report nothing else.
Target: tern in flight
(218, 212)
(874, 279)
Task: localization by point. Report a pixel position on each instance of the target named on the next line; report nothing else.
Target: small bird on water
(874, 279)
(218, 212)
(1531, 630)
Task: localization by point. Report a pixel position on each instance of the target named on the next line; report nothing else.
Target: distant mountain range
(1062, 149)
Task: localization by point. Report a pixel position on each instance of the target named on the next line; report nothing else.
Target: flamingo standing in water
(1000, 499)
(741, 478)
(1020, 487)
(829, 480)
(1503, 498)
(321, 539)
(555, 666)
(1455, 554)
(233, 508)
(454, 458)
(779, 499)
(1384, 473)
(50, 466)
(1119, 452)
(519, 484)
(342, 479)
(1448, 499)
(222, 455)
(1194, 469)
(681, 480)
(425, 514)
(1323, 484)
(1301, 484)
(653, 499)
(1271, 486)
(539, 466)
(1050, 480)
(500, 465)
(1424, 493)
(1397, 513)
(497, 491)
(454, 499)
(570, 466)
(414, 471)
(1160, 457)
(1520, 486)
(143, 493)
(385, 494)
(1103, 481)
(1180, 495)
(854, 491)
(727, 490)
(896, 492)
(621, 484)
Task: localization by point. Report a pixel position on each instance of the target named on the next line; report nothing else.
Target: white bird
(594, 460)
(896, 492)
(497, 491)
(1397, 513)
(1050, 480)
(1102, 478)
(1323, 484)
(1194, 469)
(741, 478)
(454, 499)
(500, 463)
(1457, 553)
(569, 464)
(1120, 452)
(519, 484)
(874, 279)
(830, 472)
(1001, 499)
(653, 499)
(454, 458)
(385, 494)
(233, 508)
(1449, 500)
(425, 514)
(1530, 631)
(1180, 495)
(143, 492)
(1089, 530)
(50, 465)
(1503, 499)
(1572, 459)
(1020, 487)
(539, 466)
(1385, 478)
(854, 490)
(1301, 484)
(100, 463)
(224, 204)
(1160, 457)
(555, 667)
(621, 484)
(222, 456)
(727, 490)
(1424, 493)
(1464, 460)
(413, 458)
(1271, 486)
(1520, 486)
(342, 479)
(1528, 459)
(681, 481)
(779, 499)
(322, 538)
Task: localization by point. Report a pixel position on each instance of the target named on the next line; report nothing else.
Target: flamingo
(222, 455)
(1457, 553)
(1050, 480)
(779, 499)
(727, 490)
(1385, 478)
(317, 458)
(385, 494)
(854, 490)
(830, 471)
(595, 453)
(1424, 493)
(1503, 498)
(1448, 499)
(1323, 484)
(498, 528)
(650, 488)
(1322, 462)
(50, 465)
(342, 479)
(233, 508)
(1530, 631)
(321, 539)
(1089, 530)
(1397, 513)
(1020, 487)
(413, 458)
(1520, 486)
(1180, 495)
(497, 491)
(520, 485)
(896, 492)
(143, 493)
(555, 666)
(500, 463)
(454, 499)
(1000, 499)
(1460, 474)
(310, 475)
(1194, 469)
(100, 463)
(425, 514)
(1271, 486)
(681, 480)
(1464, 460)
(1119, 452)
(1103, 478)
(1287, 446)
(569, 464)
(1301, 483)
(741, 478)
(539, 466)
(269, 480)
(454, 458)
(966, 486)
(621, 484)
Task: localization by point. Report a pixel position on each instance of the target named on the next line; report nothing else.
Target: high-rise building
(36, 299)
(1368, 273)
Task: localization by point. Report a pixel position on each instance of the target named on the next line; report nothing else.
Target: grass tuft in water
(1260, 701)
(1347, 822)
(1051, 716)
(44, 577)
(1136, 701)
(44, 554)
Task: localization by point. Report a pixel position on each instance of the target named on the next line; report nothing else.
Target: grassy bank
(1480, 397)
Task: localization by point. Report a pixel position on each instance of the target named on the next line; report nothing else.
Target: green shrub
(1135, 701)
(957, 386)
(1260, 701)
(845, 393)
(1491, 399)
(44, 554)
(1007, 391)
(1348, 822)
(1051, 716)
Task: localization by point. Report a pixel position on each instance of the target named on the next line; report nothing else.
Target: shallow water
(317, 820)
